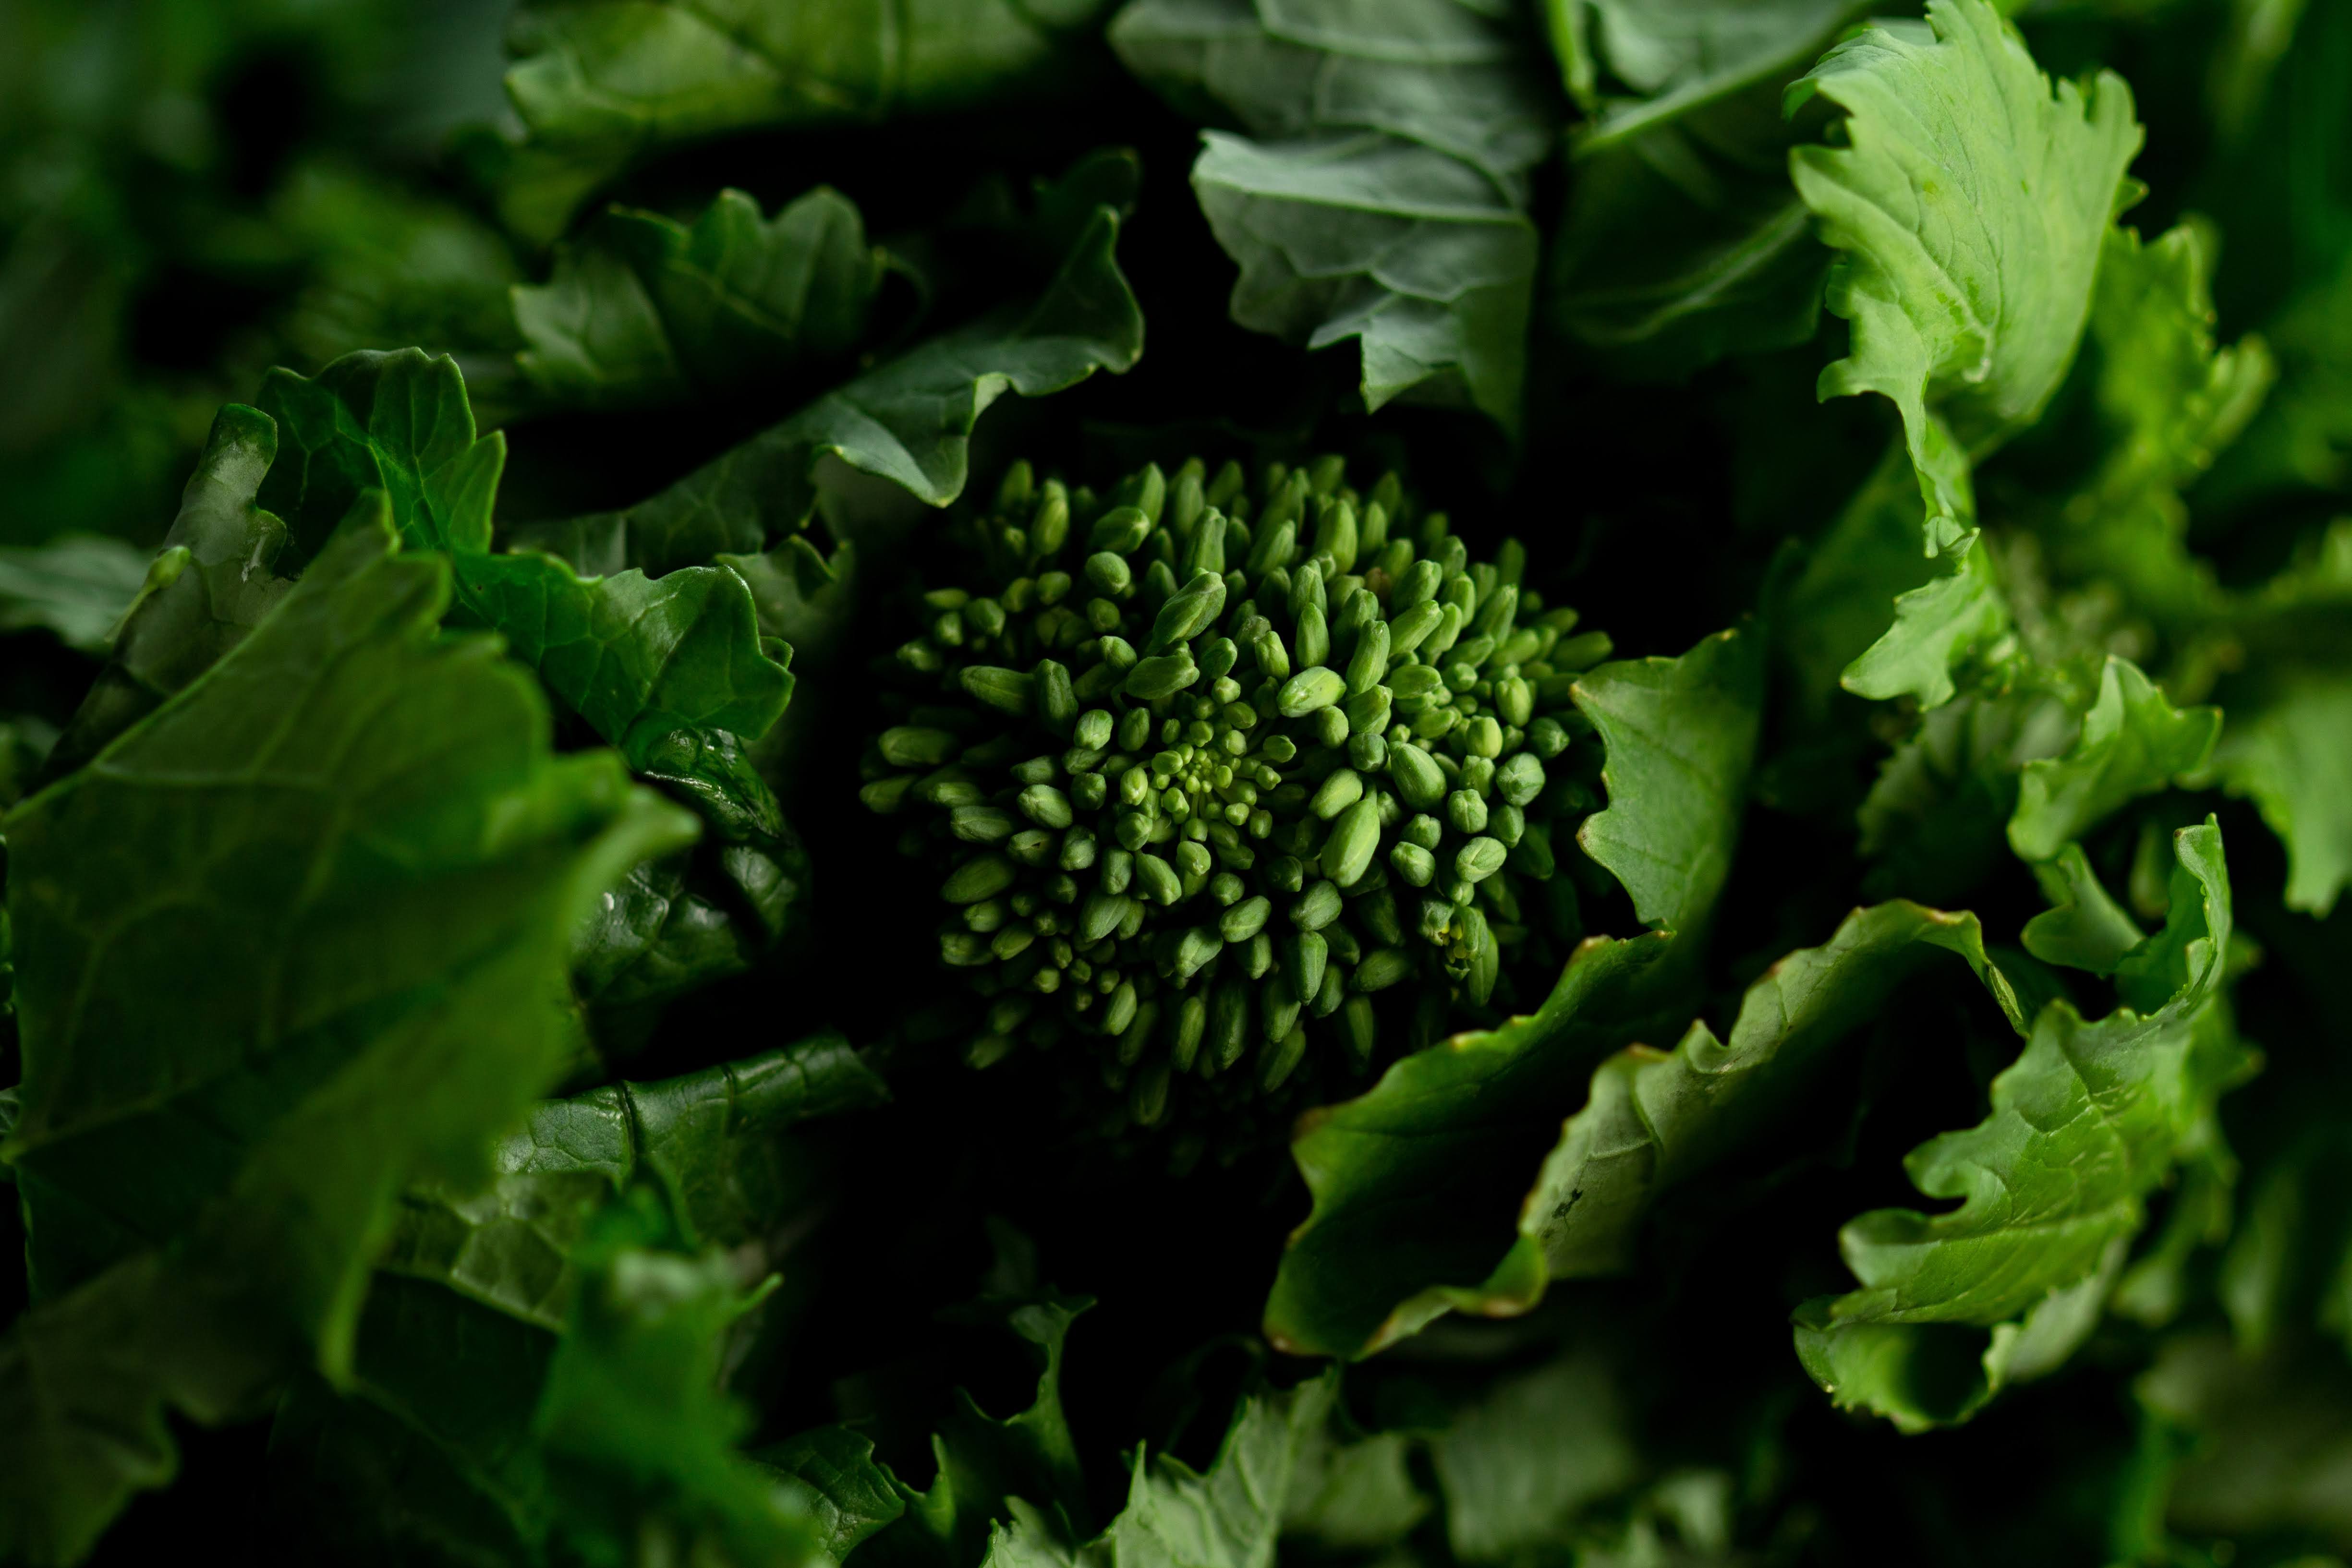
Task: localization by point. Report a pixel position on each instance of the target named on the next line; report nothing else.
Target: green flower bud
(1127, 772)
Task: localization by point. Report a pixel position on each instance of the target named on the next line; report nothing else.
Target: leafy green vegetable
(1972, 204)
(204, 1197)
(585, 1156)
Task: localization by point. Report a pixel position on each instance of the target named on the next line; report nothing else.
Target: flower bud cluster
(1214, 778)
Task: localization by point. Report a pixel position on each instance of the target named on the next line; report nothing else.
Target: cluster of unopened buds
(1209, 775)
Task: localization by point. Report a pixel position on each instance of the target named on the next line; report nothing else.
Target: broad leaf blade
(1656, 1122)
(342, 782)
(1971, 203)
(2052, 1185)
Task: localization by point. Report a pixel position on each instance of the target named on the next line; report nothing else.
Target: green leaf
(636, 657)
(1683, 244)
(2291, 754)
(1521, 1465)
(1680, 736)
(908, 420)
(1971, 203)
(77, 586)
(603, 85)
(1935, 818)
(1935, 628)
(1656, 1122)
(1415, 1183)
(1409, 250)
(2263, 1437)
(2083, 928)
(206, 1197)
(644, 309)
(1639, 66)
(639, 1438)
(2052, 1185)
(2170, 402)
(1441, 75)
(209, 586)
(475, 1284)
(2133, 743)
(1380, 192)
(1232, 1516)
(1356, 1495)
(851, 1496)
(710, 1140)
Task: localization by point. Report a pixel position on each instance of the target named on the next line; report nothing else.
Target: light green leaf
(1656, 1122)
(2170, 402)
(637, 658)
(1410, 251)
(1971, 203)
(639, 1438)
(2133, 743)
(77, 586)
(2052, 1185)
(206, 1197)
(1935, 628)
(2291, 755)
(645, 310)
(908, 420)
(2083, 928)
(1680, 736)
(603, 85)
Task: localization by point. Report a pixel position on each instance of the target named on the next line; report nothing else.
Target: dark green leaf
(1656, 1122)
(207, 1195)
(1519, 1466)
(78, 587)
(210, 586)
(851, 1496)
(908, 420)
(642, 310)
(639, 1439)
(601, 85)
(638, 658)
